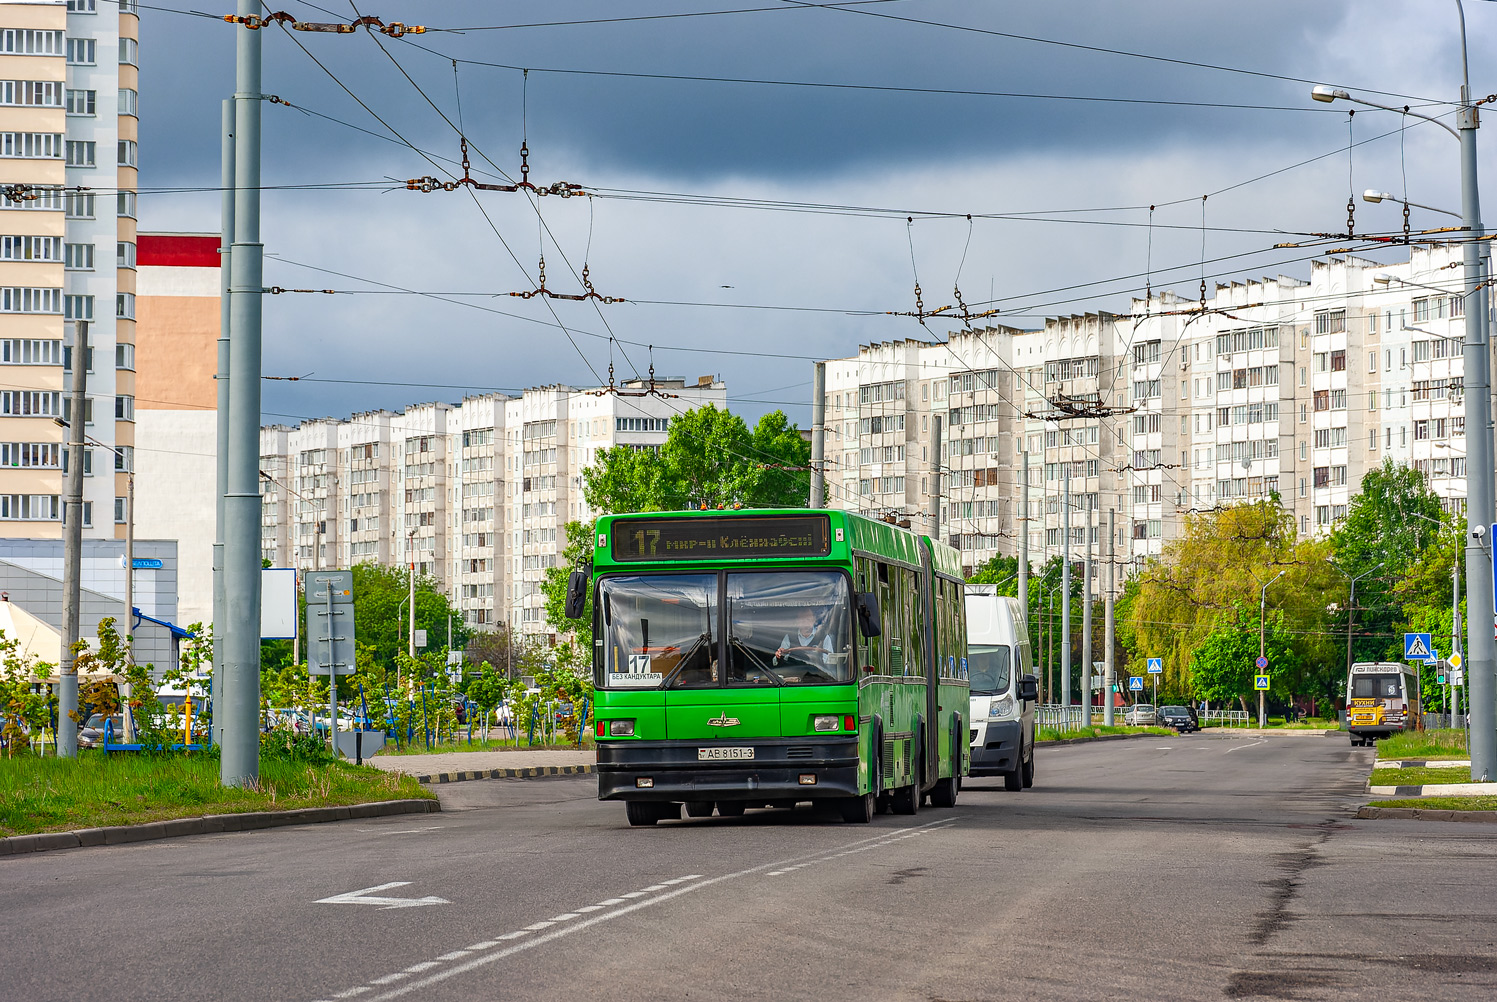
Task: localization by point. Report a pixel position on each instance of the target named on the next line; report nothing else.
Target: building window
(1330, 322)
(30, 403)
(124, 355)
(31, 42)
(124, 254)
(129, 102)
(128, 152)
(1338, 361)
(79, 257)
(83, 6)
(30, 507)
(27, 300)
(126, 204)
(124, 309)
(82, 102)
(27, 248)
(130, 56)
(31, 455)
(78, 307)
(80, 154)
(31, 93)
(82, 51)
(26, 351)
(31, 145)
(124, 408)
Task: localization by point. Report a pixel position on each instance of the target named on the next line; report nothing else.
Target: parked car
(92, 734)
(1141, 715)
(1182, 718)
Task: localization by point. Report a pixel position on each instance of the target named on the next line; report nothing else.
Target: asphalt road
(1195, 867)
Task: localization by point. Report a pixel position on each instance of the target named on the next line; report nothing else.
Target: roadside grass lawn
(51, 794)
(493, 744)
(1054, 734)
(1419, 776)
(1442, 803)
(1437, 744)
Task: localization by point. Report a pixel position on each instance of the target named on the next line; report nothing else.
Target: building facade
(68, 119)
(1280, 386)
(475, 495)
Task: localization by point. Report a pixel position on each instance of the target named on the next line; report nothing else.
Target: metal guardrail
(1229, 718)
(1064, 718)
(1443, 720)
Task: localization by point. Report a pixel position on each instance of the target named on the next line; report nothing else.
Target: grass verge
(1053, 734)
(51, 794)
(1418, 776)
(1436, 744)
(1442, 803)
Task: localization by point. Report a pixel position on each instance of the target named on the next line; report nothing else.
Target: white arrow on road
(368, 897)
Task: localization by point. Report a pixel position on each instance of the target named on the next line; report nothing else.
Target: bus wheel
(730, 808)
(943, 794)
(859, 810)
(640, 813)
(699, 808)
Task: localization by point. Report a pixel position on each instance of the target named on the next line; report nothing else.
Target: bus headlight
(825, 722)
(1001, 707)
(621, 729)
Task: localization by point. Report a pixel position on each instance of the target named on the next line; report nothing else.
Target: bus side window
(915, 635)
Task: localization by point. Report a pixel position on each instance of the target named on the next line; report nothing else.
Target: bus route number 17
(640, 538)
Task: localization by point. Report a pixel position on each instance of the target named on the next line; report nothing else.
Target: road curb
(1099, 737)
(533, 772)
(210, 824)
(1420, 814)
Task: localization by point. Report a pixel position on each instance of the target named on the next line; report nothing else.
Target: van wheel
(1028, 769)
(1013, 780)
(640, 813)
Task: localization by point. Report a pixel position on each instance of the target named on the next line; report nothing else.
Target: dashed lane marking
(574, 921)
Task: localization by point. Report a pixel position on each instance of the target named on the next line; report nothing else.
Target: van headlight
(1001, 707)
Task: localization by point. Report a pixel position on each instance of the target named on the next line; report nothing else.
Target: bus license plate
(718, 754)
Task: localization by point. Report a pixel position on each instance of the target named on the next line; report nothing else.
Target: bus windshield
(1376, 687)
(789, 628)
(988, 669)
(661, 631)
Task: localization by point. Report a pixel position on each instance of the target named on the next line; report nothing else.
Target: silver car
(1141, 715)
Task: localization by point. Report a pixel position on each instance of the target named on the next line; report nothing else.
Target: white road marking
(564, 917)
(633, 894)
(368, 897)
(486, 944)
(425, 965)
(352, 992)
(628, 908)
(455, 954)
(532, 927)
(590, 908)
(1260, 741)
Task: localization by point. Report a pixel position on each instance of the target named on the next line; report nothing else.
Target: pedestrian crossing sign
(1260, 682)
(1136, 683)
(1418, 647)
(1156, 666)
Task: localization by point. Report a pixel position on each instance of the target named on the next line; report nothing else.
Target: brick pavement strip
(209, 824)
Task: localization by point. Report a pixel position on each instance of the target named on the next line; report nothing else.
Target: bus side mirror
(1029, 689)
(576, 594)
(868, 620)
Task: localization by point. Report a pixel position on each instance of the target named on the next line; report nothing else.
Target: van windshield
(988, 669)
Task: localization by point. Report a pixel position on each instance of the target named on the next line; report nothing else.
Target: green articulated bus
(755, 658)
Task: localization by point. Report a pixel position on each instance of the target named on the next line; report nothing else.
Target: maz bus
(1382, 698)
(762, 658)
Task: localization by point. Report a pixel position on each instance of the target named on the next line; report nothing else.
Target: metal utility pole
(1455, 637)
(1109, 673)
(225, 243)
(1262, 619)
(1481, 648)
(240, 761)
(818, 434)
(411, 583)
(1024, 542)
(129, 720)
(1086, 621)
(72, 549)
(1065, 586)
(935, 477)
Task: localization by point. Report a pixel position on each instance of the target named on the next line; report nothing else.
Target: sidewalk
(451, 767)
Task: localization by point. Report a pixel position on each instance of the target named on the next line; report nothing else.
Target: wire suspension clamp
(394, 29)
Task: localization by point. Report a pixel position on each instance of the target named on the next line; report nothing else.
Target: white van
(1004, 690)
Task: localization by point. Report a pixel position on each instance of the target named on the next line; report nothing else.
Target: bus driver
(805, 635)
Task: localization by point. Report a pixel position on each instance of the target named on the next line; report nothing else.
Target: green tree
(575, 554)
(710, 459)
(1223, 665)
(1044, 585)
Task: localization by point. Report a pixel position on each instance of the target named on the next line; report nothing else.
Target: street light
(1262, 616)
(1351, 602)
(129, 556)
(1373, 195)
(1480, 481)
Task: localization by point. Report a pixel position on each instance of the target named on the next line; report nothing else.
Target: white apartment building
(476, 495)
(1280, 385)
(68, 118)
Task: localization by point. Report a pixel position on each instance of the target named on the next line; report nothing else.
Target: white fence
(1228, 718)
(1062, 718)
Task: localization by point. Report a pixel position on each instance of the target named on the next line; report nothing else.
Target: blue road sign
(1418, 647)
(1262, 662)
(1260, 681)
(1136, 683)
(1156, 666)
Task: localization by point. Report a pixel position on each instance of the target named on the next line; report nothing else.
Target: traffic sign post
(1156, 668)
(330, 636)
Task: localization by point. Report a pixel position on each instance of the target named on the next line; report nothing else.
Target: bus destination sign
(721, 538)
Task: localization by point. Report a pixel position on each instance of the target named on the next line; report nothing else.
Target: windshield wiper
(749, 652)
(685, 658)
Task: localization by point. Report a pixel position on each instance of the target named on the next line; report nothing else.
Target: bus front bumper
(675, 772)
(995, 747)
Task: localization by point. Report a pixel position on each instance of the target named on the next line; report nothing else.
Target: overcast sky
(752, 293)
